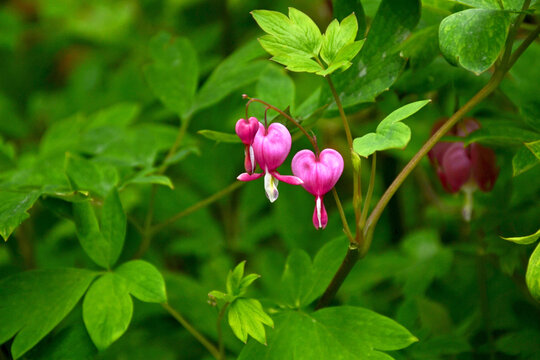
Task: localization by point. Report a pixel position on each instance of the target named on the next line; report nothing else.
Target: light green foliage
(173, 75)
(103, 243)
(144, 281)
(524, 240)
(532, 276)
(296, 41)
(523, 160)
(496, 4)
(391, 133)
(247, 317)
(107, 309)
(13, 209)
(343, 332)
(292, 41)
(488, 28)
(32, 303)
(379, 63)
(339, 46)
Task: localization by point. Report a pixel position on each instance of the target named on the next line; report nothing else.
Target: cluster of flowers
(269, 146)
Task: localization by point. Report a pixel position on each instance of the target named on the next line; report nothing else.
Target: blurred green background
(79, 60)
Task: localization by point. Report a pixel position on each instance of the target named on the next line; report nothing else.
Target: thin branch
(342, 215)
(311, 139)
(220, 332)
(341, 113)
(196, 206)
(196, 334)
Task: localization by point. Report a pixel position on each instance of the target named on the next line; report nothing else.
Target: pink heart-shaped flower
(319, 174)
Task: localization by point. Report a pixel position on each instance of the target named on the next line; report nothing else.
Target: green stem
(220, 332)
(357, 193)
(196, 206)
(341, 113)
(350, 259)
(369, 193)
(196, 334)
(342, 215)
(523, 46)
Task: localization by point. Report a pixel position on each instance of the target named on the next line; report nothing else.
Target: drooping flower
(271, 147)
(457, 164)
(246, 131)
(319, 174)
(464, 168)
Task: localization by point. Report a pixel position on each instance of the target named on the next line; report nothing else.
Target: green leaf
(147, 177)
(343, 8)
(422, 47)
(343, 332)
(390, 133)
(292, 41)
(523, 160)
(495, 4)
(107, 310)
(501, 133)
(302, 282)
(534, 147)
(379, 63)
(297, 279)
(247, 317)
(144, 281)
(88, 175)
(524, 240)
(14, 206)
(220, 136)
(235, 72)
(275, 87)
(173, 75)
(488, 28)
(337, 37)
(103, 245)
(32, 303)
(113, 225)
(234, 278)
(532, 276)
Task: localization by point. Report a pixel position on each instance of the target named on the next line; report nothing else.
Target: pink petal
(456, 167)
(320, 217)
(484, 167)
(249, 177)
(319, 175)
(249, 159)
(246, 130)
(289, 179)
(271, 146)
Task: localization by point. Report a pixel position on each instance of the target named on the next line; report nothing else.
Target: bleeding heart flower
(246, 131)
(457, 164)
(271, 147)
(319, 175)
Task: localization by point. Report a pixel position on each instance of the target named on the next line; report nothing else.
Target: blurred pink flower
(457, 164)
(319, 175)
(271, 147)
(246, 131)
